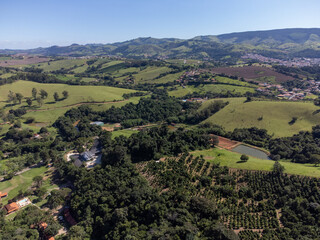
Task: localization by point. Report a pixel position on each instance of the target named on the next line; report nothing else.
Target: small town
(294, 62)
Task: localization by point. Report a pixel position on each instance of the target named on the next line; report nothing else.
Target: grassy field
(275, 116)
(51, 109)
(150, 73)
(216, 88)
(168, 78)
(76, 93)
(56, 65)
(51, 115)
(20, 182)
(233, 81)
(232, 160)
(124, 132)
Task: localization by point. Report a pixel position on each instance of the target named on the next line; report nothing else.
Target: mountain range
(281, 43)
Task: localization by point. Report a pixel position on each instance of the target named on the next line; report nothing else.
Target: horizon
(99, 43)
(60, 23)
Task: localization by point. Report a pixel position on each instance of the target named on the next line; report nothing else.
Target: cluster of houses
(312, 87)
(294, 62)
(200, 100)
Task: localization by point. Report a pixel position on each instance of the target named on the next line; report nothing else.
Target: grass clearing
(21, 182)
(60, 64)
(77, 94)
(51, 110)
(215, 88)
(150, 73)
(275, 116)
(232, 160)
(124, 132)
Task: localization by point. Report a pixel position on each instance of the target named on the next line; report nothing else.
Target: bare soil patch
(252, 73)
(227, 143)
(24, 61)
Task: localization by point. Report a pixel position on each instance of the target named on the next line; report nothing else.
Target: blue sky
(34, 23)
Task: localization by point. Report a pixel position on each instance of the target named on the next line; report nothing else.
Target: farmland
(232, 160)
(215, 88)
(22, 61)
(51, 109)
(262, 74)
(271, 115)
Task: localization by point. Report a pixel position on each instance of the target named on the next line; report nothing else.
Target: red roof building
(12, 207)
(2, 195)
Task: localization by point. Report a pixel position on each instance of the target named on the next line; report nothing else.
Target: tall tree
(278, 168)
(43, 94)
(38, 180)
(65, 94)
(34, 93)
(19, 97)
(40, 101)
(29, 101)
(11, 96)
(56, 96)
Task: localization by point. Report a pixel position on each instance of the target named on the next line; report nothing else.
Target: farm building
(12, 207)
(2, 195)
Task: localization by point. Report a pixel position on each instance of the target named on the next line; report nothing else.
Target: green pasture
(271, 115)
(124, 132)
(150, 73)
(21, 182)
(60, 64)
(233, 81)
(216, 88)
(232, 160)
(77, 94)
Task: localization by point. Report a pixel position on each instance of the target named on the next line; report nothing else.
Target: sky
(41, 23)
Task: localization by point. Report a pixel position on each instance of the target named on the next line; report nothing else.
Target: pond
(250, 151)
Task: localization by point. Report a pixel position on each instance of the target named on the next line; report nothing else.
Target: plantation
(251, 203)
(270, 115)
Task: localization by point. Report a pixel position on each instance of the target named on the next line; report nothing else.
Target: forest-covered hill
(282, 43)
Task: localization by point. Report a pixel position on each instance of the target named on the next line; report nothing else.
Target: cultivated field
(263, 74)
(271, 115)
(24, 61)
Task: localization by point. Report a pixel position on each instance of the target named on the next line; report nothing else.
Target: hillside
(296, 42)
(270, 115)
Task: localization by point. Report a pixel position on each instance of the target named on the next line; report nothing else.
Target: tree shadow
(316, 112)
(241, 161)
